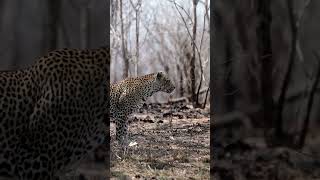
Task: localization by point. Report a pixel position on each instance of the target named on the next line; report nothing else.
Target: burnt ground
(171, 142)
(241, 153)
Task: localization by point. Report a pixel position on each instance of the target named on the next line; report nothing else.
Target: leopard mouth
(170, 90)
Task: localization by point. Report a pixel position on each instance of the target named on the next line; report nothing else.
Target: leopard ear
(159, 75)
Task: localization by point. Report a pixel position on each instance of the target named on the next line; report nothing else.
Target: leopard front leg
(122, 131)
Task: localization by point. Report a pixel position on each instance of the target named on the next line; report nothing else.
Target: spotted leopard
(52, 113)
(128, 95)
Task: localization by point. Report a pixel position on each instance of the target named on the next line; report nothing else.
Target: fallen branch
(180, 99)
(186, 99)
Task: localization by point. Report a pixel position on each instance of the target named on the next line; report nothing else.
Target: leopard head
(163, 83)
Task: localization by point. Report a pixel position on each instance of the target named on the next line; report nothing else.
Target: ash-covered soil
(169, 141)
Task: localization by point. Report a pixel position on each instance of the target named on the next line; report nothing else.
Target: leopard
(128, 95)
(52, 113)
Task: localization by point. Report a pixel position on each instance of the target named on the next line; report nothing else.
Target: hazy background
(164, 43)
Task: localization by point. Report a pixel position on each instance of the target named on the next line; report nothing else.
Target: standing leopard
(128, 95)
(52, 113)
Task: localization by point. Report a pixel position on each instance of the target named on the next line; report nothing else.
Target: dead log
(177, 100)
(186, 99)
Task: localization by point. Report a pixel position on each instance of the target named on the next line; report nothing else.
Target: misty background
(151, 36)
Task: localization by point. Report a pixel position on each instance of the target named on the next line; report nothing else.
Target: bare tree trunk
(136, 8)
(54, 18)
(265, 57)
(124, 48)
(207, 13)
(179, 70)
(16, 43)
(310, 99)
(163, 63)
(84, 23)
(2, 10)
(186, 70)
(205, 98)
(114, 10)
(193, 58)
(286, 79)
(137, 44)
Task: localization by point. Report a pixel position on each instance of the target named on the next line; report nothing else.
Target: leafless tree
(193, 58)
(195, 51)
(84, 23)
(162, 42)
(124, 43)
(137, 7)
(54, 18)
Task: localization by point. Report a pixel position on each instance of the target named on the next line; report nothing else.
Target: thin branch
(136, 8)
(182, 8)
(124, 47)
(203, 30)
(205, 100)
(193, 42)
(189, 33)
(285, 83)
(298, 47)
(204, 23)
(310, 100)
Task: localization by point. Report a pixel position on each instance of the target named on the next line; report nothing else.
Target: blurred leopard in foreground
(128, 95)
(52, 113)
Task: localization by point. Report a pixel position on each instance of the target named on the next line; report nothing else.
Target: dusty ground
(172, 142)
